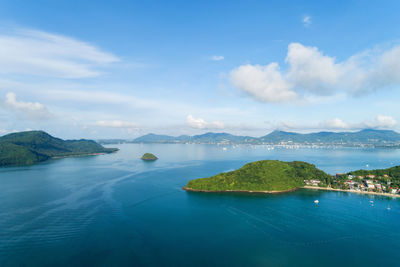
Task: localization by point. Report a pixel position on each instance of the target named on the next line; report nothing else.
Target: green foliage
(265, 175)
(11, 154)
(149, 156)
(34, 146)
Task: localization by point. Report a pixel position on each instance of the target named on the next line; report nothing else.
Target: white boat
(316, 201)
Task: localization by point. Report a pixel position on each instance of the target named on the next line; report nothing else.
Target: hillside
(30, 147)
(265, 175)
(206, 138)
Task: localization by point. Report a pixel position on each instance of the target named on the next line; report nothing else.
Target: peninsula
(273, 176)
(25, 148)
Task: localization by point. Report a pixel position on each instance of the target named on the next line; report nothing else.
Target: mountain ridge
(365, 136)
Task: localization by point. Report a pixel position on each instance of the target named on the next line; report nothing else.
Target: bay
(117, 210)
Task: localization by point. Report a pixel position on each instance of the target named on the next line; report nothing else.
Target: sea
(117, 210)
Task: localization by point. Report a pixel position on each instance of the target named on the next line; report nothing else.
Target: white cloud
(335, 123)
(310, 72)
(306, 20)
(39, 53)
(31, 110)
(116, 124)
(200, 123)
(379, 122)
(382, 121)
(265, 83)
(217, 58)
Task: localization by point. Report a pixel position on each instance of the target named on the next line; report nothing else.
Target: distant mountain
(34, 146)
(367, 136)
(207, 138)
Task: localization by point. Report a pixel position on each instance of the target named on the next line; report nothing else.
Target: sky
(121, 69)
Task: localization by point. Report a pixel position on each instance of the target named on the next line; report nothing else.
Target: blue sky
(119, 69)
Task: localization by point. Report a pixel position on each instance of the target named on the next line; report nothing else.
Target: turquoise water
(118, 210)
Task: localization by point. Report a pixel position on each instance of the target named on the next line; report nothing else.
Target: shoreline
(291, 190)
(239, 191)
(351, 191)
(83, 155)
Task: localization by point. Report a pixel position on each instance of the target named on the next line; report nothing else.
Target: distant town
(369, 138)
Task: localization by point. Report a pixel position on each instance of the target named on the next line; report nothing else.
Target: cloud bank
(310, 72)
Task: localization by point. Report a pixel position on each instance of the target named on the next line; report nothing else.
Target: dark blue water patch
(117, 211)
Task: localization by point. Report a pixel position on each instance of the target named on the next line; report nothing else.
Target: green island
(25, 148)
(148, 157)
(260, 176)
(274, 176)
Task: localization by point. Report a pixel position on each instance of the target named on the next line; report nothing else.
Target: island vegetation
(261, 176)
(149, 157)
(271, 176)
(31, 147)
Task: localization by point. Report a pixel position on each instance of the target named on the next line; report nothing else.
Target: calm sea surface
(116, 210)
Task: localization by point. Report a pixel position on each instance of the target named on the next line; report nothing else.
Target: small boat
(316, 201)
(371, 201)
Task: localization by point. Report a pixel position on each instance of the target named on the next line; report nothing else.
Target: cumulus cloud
(116, 124)
(200, 123)
(40, 53)
(31, 110)
(265, 83)
(306, 20)
(310, 72)
(217, 58)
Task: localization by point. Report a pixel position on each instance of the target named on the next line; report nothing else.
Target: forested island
(148, 157)
(25, 148)
(260, 176)
(273, 176)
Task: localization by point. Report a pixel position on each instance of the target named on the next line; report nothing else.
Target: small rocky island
(149, 157)
(266, 176)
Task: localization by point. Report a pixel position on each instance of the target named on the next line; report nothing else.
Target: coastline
(239, 191)
(350, 191)
(82, 155)
(291, 190)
